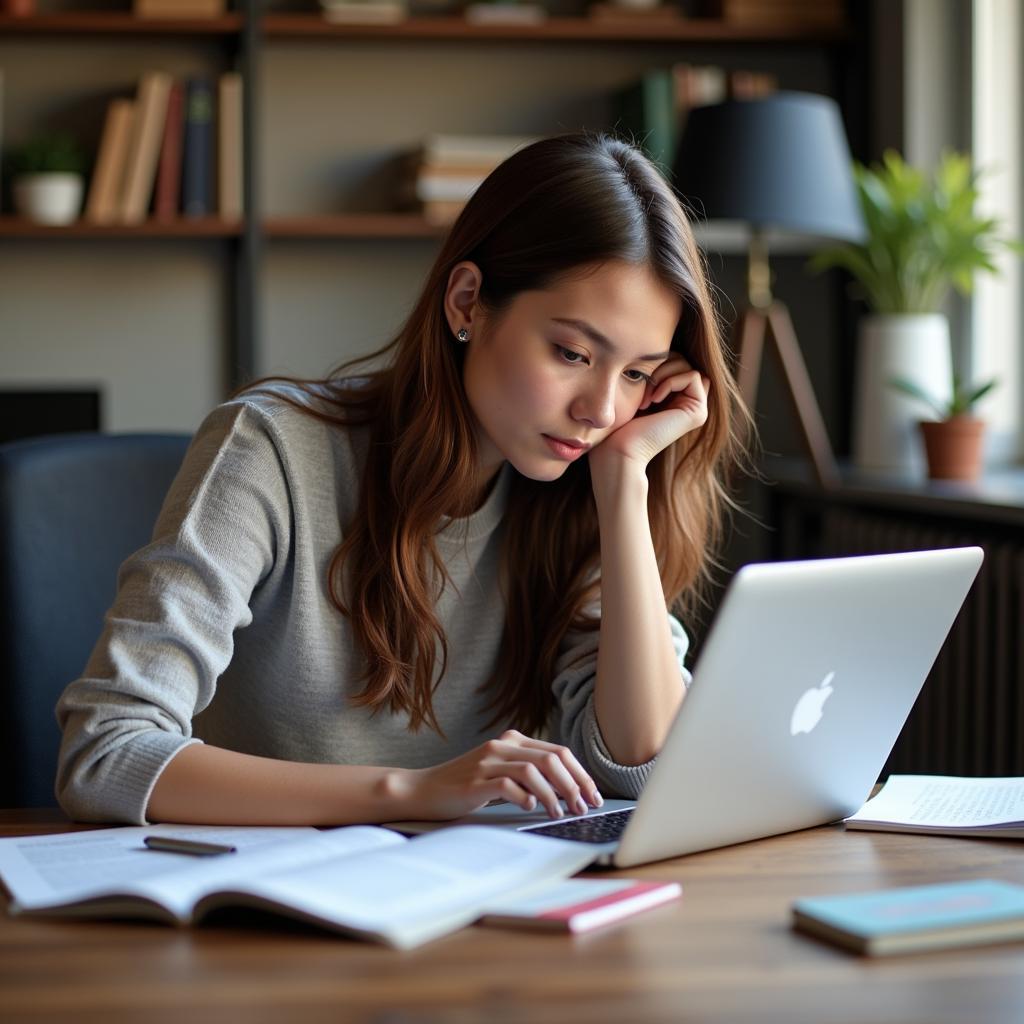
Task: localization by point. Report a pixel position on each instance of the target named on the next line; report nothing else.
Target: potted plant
(47, 184)
(922, 236)
(953, 442)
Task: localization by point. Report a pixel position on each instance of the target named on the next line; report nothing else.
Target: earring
(462, 335)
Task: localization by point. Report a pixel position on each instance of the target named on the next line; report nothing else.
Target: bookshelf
(554, 29)
(440, 27)
(117, 23)
(317, 222)
(204, 227)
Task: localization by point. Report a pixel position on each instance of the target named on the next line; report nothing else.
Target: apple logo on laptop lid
(808, 710)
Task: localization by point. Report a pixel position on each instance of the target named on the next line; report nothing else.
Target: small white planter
(48, 198)
(916, 348)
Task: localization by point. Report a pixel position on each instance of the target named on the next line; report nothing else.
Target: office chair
(72, 508)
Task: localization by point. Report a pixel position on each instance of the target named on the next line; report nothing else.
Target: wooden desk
(725, 952)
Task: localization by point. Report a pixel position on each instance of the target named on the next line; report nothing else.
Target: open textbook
(360, 880)
(946, 805)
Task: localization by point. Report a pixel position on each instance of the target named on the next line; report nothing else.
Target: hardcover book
(644, 112)
(197, 162)
(365, 12)
(229, 146)
(144, 146)
(179, 8)
(168, 176)
(474, 150)
(103, 204)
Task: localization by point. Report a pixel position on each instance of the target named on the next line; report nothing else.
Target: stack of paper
(946, 805)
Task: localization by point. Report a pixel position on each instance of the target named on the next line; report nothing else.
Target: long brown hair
(553, 207)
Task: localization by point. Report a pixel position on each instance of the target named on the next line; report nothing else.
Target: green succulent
(960, 403)
(48, 154)
(922, 235)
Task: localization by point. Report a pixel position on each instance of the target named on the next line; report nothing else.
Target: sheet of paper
(946, 802)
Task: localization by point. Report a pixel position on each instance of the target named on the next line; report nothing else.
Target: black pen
(169, 844)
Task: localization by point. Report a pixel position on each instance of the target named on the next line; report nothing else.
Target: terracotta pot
(954, 447)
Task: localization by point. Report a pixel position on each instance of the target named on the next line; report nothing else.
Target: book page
(430, 885)
(180, 892)
(65, 868)
(943, 801)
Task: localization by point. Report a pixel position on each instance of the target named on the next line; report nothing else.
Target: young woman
(405, 594)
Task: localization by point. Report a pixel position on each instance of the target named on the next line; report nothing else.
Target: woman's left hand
(674, 403)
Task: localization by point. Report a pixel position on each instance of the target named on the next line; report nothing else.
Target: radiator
(969, 718)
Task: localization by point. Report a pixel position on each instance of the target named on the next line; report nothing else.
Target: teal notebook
(917, 918)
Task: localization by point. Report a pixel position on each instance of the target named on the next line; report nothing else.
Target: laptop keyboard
(599, 828)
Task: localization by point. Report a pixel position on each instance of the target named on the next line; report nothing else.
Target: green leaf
(979, 392)
(922, 234)
(908, 387)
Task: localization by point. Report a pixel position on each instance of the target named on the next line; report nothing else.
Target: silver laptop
(804, 683)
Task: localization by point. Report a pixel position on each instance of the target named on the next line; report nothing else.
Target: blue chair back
(72, 508)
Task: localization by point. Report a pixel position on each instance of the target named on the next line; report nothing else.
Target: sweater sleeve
(574, 722)
(169, 634)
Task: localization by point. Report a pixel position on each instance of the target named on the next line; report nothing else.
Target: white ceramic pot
(914, 347)
(48, 198)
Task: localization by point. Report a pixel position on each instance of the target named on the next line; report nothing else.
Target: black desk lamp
(781, 162)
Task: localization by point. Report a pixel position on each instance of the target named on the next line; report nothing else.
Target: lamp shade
(780, 161)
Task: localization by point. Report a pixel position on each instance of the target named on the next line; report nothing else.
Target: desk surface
(725, 952)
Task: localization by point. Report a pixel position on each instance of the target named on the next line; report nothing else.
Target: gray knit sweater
(222, 630)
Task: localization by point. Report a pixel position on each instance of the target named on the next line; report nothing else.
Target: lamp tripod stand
(766, 319)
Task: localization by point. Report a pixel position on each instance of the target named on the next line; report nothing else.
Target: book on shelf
(229, 146)
(916, 918)
(816, 13)
(644, 112)
(168, 175)
(144, 146)
(656, 14)
(179, 8)
(945, 805)
(580, 904)
(750, 85)
(364, 12)
(439, 199)
(652, 110)
(510, 13)
(103, 203)
(361, 881)
(1, 136)
(429, 186)
(441, 212)
(697, 85)
(197, 199)
(479, 150)
(158, 152)
(440, 175)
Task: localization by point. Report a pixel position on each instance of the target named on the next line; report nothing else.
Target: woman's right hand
(512, 767)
